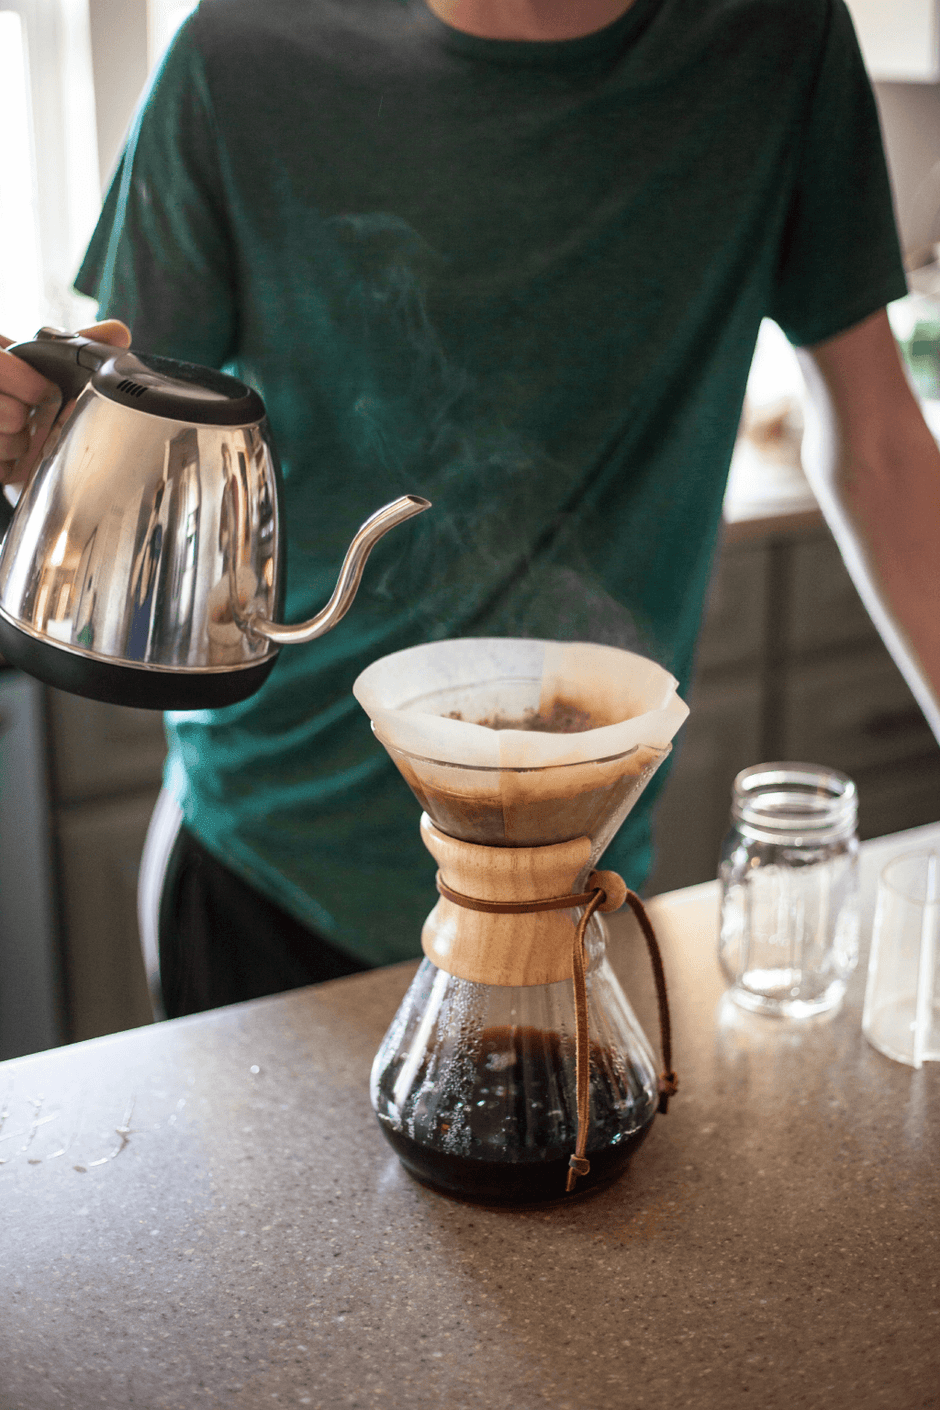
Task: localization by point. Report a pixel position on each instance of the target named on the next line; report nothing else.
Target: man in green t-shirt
(512, 257)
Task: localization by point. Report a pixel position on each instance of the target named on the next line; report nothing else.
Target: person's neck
(528, 19)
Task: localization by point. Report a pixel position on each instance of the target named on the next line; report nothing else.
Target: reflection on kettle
(143, 563)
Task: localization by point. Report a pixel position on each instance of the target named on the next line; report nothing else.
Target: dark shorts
(222, 942)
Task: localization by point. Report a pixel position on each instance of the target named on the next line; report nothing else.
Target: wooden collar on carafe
(606, 891)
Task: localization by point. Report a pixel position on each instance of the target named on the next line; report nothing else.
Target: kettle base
(142, 687)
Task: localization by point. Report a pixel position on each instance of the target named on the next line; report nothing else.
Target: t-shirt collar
(525, 53)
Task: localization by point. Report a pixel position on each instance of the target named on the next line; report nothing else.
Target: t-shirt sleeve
(839, 259)
(161, 257)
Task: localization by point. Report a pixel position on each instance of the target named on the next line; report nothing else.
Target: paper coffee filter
(413, 697)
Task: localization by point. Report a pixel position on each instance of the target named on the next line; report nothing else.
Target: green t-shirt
(522, 279)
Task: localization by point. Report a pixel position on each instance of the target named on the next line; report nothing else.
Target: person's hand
(30, 405)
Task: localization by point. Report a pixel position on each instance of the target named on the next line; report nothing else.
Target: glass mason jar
(788, 938)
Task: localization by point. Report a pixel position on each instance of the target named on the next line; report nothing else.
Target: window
(49, 191)
(51, 52)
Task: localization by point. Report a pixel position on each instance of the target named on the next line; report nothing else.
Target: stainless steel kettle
(143, 562)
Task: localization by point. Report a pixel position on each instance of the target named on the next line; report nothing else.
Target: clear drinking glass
(901, 1017)
(788, 939)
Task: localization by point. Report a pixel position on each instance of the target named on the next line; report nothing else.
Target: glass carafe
(474, 1085)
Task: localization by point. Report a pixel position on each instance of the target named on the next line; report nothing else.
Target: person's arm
(875, 468)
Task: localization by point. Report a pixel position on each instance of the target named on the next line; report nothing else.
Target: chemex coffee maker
(143, 562)
(515, 1071)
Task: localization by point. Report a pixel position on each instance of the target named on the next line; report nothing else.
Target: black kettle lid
(160, 386)
(179, 391)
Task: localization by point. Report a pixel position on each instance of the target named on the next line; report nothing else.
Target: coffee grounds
(564, 717)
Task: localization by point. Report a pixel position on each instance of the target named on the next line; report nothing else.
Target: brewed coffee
(503, 1133)
(529, 807)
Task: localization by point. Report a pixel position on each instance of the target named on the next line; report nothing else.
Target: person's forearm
(875, 468)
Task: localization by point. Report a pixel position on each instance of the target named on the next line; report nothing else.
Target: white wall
(120, 63)
(910, 119)
(900, 39)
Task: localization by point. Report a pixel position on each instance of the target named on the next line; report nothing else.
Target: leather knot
(667, 1085)
(613, 886)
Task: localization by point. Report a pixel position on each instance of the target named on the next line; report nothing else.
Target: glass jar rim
(794, 800)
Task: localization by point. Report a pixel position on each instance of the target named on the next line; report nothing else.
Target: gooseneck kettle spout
(350, 576)
(143, 564)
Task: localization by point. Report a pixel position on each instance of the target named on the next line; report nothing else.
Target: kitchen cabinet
(99, 849)
(106, 765)
(722, 736)
(734, 629)
(824, 610)
(31, 1011)
(103, 751)
(790, 667)
(900, 41)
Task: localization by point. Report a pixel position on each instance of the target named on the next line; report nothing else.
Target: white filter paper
(414, 696)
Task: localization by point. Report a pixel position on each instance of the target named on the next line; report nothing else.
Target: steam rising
(500, 553)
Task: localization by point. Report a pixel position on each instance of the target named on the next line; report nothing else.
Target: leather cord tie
(606, 892)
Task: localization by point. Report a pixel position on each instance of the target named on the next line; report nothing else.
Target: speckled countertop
(204, 1213)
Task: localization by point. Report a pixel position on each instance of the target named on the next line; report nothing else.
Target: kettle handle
(68, 361)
